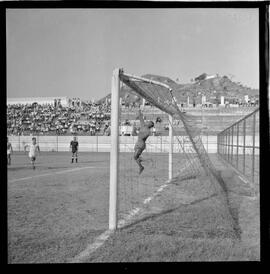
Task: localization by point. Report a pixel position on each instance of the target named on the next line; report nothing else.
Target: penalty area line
(52, 173)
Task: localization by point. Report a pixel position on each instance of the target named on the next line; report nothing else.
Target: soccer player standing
(142, 137)
(9, 151)
(74, 144)
(33, 148)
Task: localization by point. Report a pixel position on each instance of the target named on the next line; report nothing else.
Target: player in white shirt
(33, 148)
(9, 151)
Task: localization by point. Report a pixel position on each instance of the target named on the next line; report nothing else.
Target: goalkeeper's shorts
(139, 146)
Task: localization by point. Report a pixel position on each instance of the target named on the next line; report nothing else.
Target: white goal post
(114, 153)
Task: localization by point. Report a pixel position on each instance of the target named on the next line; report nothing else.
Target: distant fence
(103, 143)
(241, 110)
(239, 145)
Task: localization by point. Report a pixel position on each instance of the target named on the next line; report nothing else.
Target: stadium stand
(89, 118)
(50, 119)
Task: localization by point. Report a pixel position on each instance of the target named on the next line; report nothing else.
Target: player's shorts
(139, 149)
(139, 146)
(8, 152)
(75, 152)
(32, 158)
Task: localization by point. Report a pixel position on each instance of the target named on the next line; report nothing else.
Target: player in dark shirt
(142, 137)
(74, 149)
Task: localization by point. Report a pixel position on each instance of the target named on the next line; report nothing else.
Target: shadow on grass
(179, 179)
(156, 215)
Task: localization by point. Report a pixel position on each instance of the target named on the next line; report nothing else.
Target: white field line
(243, 179)
(239, 174)
(52, 173)
(101, 239)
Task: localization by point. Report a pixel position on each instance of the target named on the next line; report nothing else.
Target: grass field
(57, 210)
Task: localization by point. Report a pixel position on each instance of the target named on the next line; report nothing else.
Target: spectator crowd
(87, 118)
(79, 117)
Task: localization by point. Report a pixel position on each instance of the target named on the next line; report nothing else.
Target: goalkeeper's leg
(137, 158)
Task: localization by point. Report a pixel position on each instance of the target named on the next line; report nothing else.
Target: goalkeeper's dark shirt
(142, 136)
(74, 146)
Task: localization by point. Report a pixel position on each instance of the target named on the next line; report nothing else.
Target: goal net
(174, 152)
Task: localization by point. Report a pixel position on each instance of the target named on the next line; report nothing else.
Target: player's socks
(72, 160)
(76, 160)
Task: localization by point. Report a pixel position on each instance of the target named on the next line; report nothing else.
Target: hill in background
(212, 88)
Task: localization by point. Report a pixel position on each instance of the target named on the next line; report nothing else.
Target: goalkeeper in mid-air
(142, 137)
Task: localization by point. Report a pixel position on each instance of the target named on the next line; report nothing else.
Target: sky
(72, 52)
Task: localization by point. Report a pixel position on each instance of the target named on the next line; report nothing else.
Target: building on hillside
(74, 102)
(40, 100)
(211, 76)
(205, 76)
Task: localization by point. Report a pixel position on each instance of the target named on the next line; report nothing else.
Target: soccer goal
(174, 155)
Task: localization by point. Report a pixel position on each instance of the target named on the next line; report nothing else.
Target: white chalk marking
(100, 240)
(246, 181)
(243, 180)
(92, 247)
(48, 174)
(131, 214)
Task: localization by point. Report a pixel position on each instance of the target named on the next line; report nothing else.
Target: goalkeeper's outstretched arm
(140, 116)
